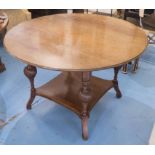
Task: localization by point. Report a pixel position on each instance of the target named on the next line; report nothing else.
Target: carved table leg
(85, 95)
(2, 66)
(30, 72)
(115, 82)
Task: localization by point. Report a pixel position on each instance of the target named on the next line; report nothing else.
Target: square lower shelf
(65, 90)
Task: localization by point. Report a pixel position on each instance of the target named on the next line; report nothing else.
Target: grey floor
(128, 120)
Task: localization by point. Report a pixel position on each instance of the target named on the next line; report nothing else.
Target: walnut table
(76, 45)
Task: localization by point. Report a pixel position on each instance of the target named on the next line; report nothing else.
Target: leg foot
(118, 92)
(31, 99)
(115, 82)
(28, 105)
(85, 128)
(30, 72)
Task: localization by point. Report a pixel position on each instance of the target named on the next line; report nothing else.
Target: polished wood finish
(85, 96)
(115, 82)
(77, 91)
(3, 25)
(76, 45)
(67, 89)
(76, 42)
(30, 72)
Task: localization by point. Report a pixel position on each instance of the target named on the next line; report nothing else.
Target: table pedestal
(77, 91)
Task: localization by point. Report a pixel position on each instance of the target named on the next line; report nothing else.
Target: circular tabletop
(75, 42)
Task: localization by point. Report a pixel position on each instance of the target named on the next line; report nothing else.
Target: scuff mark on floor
(3, 123)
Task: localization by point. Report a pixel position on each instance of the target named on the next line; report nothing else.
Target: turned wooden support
(85, 95)
(30, 72)
(2, 66)
(115, 82)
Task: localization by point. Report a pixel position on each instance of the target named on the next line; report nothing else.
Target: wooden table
(3, 25)
(75, 44)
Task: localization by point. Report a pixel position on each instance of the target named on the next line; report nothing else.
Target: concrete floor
(128, 120)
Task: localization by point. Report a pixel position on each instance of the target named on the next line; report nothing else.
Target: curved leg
(85, 95)
(2, 66)
(30, 72)
(115, 82)
(135, 65)
(85, 127)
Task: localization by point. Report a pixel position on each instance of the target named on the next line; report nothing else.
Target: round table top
(75, 42)
(3, 21)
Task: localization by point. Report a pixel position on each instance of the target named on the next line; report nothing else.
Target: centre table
(76, 45)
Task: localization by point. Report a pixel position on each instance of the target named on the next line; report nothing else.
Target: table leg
(2, 66)
(115, 82)
(30, 72)
(77, 91)
(85, 95)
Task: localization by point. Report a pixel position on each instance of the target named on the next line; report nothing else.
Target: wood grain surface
(75, 42)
